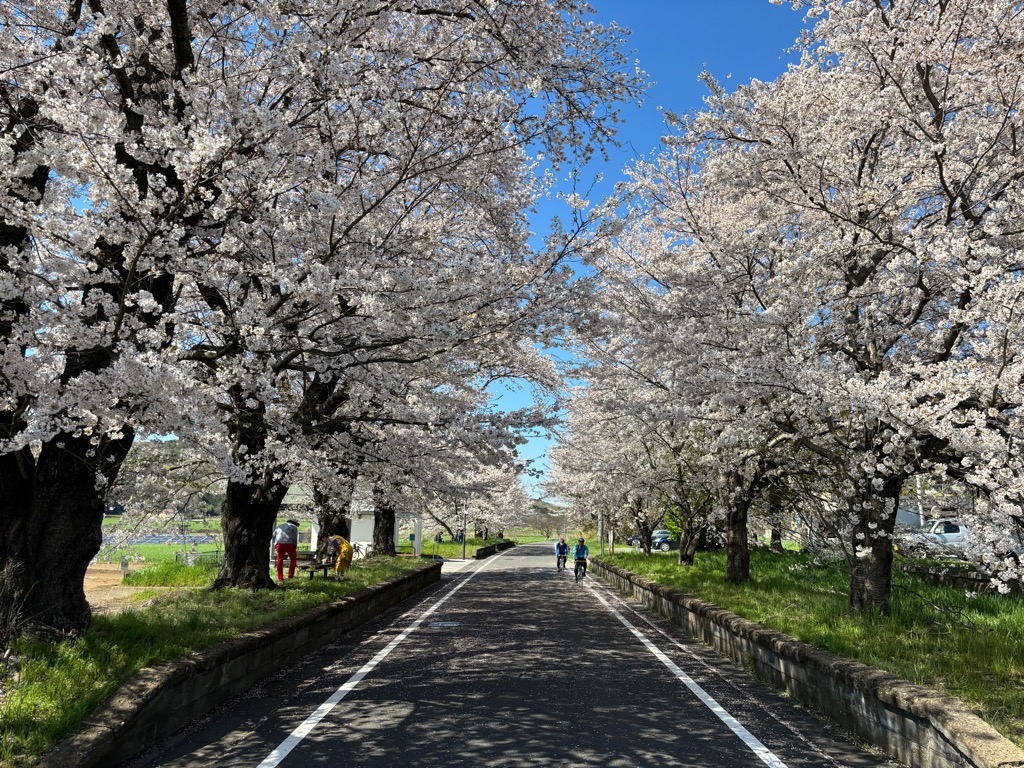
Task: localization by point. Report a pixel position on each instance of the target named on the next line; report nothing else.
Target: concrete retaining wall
(918, 726)
(962, 578)
(492, 549)
(159, 700)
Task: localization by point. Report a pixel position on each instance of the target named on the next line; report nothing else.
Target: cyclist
(561, 553)
(580, 553)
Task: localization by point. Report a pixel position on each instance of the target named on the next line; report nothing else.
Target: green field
(147, 554)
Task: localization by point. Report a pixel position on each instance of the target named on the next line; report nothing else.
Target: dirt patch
(105, 590)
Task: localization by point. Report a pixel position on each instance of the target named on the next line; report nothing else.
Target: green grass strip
(168, 573)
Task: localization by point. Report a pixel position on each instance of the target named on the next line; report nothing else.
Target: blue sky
(674, 41)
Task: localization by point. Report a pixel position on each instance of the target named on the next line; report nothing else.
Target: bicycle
(361, 550)
(561, 562)
(581, 569)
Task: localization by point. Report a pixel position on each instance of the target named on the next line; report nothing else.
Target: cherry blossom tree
(97, 206)
(231, 222)
(831, 263)
(613, 458)
(890, 156)
(420, 261)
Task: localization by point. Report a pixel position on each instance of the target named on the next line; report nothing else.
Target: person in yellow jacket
(339, 549)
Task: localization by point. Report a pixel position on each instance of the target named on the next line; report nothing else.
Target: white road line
(796, 732)
(763, 753)
(306, 727)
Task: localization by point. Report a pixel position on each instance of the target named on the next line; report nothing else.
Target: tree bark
(334, 514)
(776, 545)
(52, 518)
(247, 519)
(690, 537)
(688, 542)
(643, 525)
(737, 546)
(383, 524)
(871, 573)
(734, 497)
(250, 509)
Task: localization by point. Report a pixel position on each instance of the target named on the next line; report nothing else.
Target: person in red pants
(286, 537)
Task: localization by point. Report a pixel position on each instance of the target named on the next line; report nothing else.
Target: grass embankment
(969, 647)
(61, 683)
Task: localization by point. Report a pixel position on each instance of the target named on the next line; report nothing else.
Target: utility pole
(464, 522)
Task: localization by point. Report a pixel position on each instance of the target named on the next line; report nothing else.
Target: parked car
(657, 537)
(937, 537)
(662, 539)
(664, 542)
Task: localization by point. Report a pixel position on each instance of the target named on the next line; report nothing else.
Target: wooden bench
(314, 567)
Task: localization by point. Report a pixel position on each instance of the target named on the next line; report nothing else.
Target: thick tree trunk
(871, 573)
(735, 494)
(247, 519)
(776, 545)
(250, 509)
(52, 518)
(689, 540)
(383, 525)
(334, 513)
(643, 525)
(384, 532)
(737, 546)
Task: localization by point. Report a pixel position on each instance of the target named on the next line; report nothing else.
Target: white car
(935, 537)
(946, 532)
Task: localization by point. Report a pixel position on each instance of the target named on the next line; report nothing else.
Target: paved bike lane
(508, 663)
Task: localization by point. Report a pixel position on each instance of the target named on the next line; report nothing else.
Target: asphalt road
(507, 663)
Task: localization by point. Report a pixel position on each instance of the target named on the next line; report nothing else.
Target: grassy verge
(169, 573)
(61, 683)
(969, 647)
